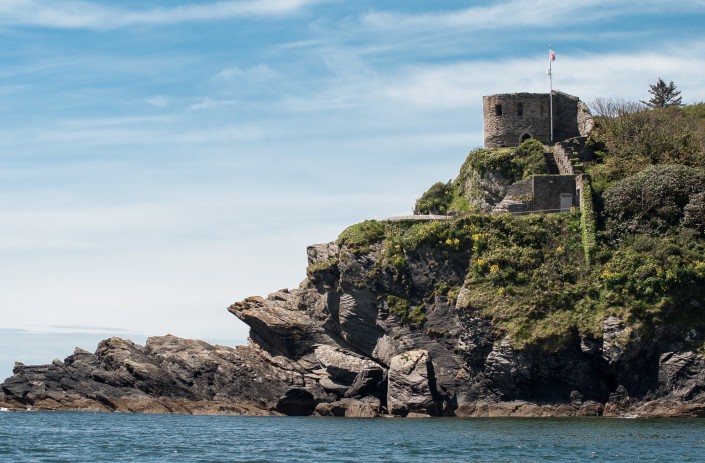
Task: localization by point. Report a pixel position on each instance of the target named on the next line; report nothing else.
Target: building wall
(528, 114)
(548, 190)
(508, 128)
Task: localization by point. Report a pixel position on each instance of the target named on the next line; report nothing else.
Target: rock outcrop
(167, 375)
(333, 347)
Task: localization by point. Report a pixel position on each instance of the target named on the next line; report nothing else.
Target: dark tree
(663, 94)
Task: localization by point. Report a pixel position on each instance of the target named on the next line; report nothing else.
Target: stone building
(511, 118)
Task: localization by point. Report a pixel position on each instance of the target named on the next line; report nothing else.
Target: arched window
(498, 110)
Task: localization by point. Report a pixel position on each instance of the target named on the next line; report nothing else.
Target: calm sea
(96, 437)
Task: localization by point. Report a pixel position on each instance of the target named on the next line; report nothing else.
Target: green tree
(663, 94)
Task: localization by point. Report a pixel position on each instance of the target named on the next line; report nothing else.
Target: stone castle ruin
(512, 118)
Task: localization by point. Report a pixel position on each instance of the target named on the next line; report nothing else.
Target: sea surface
(105, 437)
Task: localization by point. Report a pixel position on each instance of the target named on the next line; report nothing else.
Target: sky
(160, 160)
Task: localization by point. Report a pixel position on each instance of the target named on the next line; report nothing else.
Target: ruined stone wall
(548, 190)
(571, 154)
(511, 118)
(521, 190)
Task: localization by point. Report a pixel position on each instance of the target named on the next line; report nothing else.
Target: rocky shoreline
(332, 348)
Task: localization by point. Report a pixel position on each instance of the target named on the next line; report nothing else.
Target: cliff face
(407, 319)
(481, 315)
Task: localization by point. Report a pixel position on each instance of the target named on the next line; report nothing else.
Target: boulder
(409, 384)
(341, 364)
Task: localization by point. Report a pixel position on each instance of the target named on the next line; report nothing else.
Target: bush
(436, 200)
(360, 236)
(413, 317)
(694, 213)
(637, 138)
(588, 220)
(652, 201)
(695, 110)
(530, 159)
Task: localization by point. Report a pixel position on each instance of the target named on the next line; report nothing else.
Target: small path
(417, 218)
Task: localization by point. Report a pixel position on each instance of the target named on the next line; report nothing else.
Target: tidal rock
(409, 388)
(168, 375)
(682, 376)
(370, 381)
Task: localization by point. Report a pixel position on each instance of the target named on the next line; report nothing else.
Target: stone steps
(551, 163)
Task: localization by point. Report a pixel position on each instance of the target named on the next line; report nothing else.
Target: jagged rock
(278, 326)
(367, 382)
(342, 364)
(170, 374)
(486, 190)
(368, 407)
(329, 385)
(682, 375)
(409, 387)
(357, 315)
(507, 369)
(612, 331)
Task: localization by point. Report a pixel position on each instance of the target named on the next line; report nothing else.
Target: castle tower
(511, 118)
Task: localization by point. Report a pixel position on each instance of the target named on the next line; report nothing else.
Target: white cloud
(259, 72)
(518, 13)
(158, 101)
(77, 14)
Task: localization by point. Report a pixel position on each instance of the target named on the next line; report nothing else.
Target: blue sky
(161, 160)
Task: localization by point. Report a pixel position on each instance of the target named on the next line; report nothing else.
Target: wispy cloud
(519, 13)
(77, 14)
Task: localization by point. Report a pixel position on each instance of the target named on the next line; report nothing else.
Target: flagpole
(550, 94)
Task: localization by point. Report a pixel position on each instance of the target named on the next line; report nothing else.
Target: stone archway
(525, 137)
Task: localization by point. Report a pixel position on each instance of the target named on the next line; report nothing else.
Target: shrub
(694, 213)
(360, 236)
(695, 110)
(436, 200)
(413, 317)
(636, 139)
(588, 223)
(651, 201)
(530, 158)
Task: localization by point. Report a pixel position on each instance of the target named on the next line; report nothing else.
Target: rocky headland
(594, 312)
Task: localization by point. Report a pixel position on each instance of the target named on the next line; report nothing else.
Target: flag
(553, 55)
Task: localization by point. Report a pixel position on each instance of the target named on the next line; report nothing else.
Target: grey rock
(409, 388)
(370, 381)
(342, 364)
(681, 376)
(612, 332)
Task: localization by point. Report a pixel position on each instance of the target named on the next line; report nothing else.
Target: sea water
(106, 437)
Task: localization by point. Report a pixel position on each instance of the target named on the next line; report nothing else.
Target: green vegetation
(507, 164)
(588, 220)
(653, 201)
(359, 237)
(635, 250)
(695, 110)
(637, 138)
(322, 266)
(663, 94)
(408, 315)
(436, 200)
